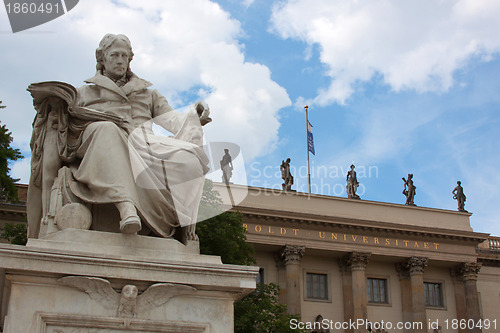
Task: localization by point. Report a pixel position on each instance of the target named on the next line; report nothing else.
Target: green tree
(223, 234)
(261, 312)
(8, 190)
(15, 233)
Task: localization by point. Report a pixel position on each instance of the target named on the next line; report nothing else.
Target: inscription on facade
(340, 237)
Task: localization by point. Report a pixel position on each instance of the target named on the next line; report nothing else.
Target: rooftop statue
(458, 194)
(352, 183)
(226, 165)
(409, 190)
(94, 148)
(286, 175)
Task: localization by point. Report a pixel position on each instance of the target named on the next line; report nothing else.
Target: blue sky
(394, 87)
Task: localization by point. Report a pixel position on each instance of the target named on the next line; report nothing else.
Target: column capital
(403, 271)
(355, 261)
(466, 271)
(471, 269)
(343, 266)
(416, 265)
(413, 265)
(291, 254)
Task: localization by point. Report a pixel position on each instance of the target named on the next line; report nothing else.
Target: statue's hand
(203, 112)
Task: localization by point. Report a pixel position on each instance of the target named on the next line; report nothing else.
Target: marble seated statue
(96, 162)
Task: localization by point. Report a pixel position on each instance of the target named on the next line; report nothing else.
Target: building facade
(400, 268)
(347, 265)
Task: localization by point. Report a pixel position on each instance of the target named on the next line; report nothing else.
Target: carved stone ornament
(402, 270)
(355, 260)
(468, 270)
(352, 184)
(292, 254)
(409, 190)
(103, 152)
(458, 194)
(414, 265)
(319, 319)
(127, 303)
(343, 266)
(226, 166)
(286, 175)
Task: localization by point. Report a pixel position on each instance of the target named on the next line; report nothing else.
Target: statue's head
(129, 291)
(459, 183)
(352, 166)
(226, 151)
(110, 47)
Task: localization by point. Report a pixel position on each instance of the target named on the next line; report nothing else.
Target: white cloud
(21, 170)
(247, 3)
(414, 45)
(180, 46)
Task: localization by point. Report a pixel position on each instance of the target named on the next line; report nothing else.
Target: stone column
(357, 262)
(291, 256)
(414, 267)
(458, 284)
(404, 280)
(2, 287)
(345, 271)
(470, 271)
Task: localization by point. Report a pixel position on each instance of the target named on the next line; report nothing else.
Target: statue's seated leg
(130, 222)
(105, 172)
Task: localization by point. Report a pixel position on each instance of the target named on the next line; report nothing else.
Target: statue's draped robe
(125, 161)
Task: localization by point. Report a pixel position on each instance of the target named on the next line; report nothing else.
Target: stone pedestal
(83, 281)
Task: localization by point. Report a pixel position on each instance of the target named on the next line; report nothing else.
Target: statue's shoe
(130, 225)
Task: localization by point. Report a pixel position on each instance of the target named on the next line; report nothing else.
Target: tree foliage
(223, 234)
(15, 233)
(8, 190)
(261, 312)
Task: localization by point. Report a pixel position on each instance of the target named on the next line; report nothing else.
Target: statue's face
(116, 59)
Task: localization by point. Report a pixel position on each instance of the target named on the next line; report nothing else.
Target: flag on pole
(310, 141)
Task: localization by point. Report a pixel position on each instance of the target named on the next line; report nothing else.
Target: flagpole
(307, 148)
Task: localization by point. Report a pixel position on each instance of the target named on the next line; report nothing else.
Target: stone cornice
(492, 260)
(279, 217)
(13, 207)
(13, 211)
(276, 192)
(369, 215)
(16, 258)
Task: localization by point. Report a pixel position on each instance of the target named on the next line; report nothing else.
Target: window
(433, 294)
(377, 290)
(317, 286)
